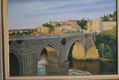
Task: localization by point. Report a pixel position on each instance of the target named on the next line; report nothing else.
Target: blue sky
(25, 14)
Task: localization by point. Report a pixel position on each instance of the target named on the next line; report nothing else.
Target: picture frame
(4, 48)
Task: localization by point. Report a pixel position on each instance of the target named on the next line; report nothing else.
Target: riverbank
(105, 59)
(100, 59)
(74, 71)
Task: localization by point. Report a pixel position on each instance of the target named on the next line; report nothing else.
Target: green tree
(108, 42)
(35, 30)
(108, 52)
(13, 34)
(57, 25)
(78, 30)
(46, 25)
(19, 34)
(83, 24)
(102, 49)
(114, 16)
(110, 15)
(106, 18)
(51, 28)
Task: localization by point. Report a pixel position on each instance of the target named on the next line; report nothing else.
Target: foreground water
(78, 67)
(95, 67)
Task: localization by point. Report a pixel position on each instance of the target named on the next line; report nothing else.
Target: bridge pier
(64, 68)
(30, 65)
(57, 69)
(56, 65)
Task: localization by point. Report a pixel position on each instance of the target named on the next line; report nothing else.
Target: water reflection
(91, 66)
(78, 67)
(108, 67)
(48, 65)
(41, 67)
(95, 67)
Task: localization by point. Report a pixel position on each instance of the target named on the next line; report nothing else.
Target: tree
(101, 48)
(110, 17)
(51, 28)
(106, 44)
(57, 25)
(35, 30)
(46, 25)
(108, 52)
(105, 51)
(106, 18)
(83, 24)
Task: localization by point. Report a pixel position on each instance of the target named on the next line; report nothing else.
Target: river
(78, 67)
(95, 66)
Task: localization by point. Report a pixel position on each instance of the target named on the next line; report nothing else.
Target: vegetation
(51, 28)
(104, 59)
(110, 17)
(57, 25)
(83, 24)
(105, 18)
(19, 33)
(106, 44)
(78, 31)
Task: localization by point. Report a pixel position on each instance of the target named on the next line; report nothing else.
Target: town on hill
(106, 23)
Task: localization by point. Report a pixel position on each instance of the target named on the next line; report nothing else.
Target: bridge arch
(50, 45)
(73, 46)
(91, 50)
(51, 59)
(16, 63)
(51, 53)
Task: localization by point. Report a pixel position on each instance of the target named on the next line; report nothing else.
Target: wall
(108, 25)
(57, 30)
(94, 25)
(43, 30)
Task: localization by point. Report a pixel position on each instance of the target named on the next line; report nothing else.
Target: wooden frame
(5, 52)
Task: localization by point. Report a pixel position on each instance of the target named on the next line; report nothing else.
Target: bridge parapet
(32, 37)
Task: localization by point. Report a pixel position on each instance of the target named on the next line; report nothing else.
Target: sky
(29, 14)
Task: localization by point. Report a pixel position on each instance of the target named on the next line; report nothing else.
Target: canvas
(52, 38)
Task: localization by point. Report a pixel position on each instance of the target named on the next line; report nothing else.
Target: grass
(105, 59)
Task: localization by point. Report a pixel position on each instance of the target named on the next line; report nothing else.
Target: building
(53, 23)
(95, 25)
(42, 30)
(69, 24)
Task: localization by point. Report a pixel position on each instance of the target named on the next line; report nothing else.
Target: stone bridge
(25, 52)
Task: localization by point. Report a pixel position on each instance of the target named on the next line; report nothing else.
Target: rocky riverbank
(74, 71)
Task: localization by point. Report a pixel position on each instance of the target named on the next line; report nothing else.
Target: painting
(62, 37)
